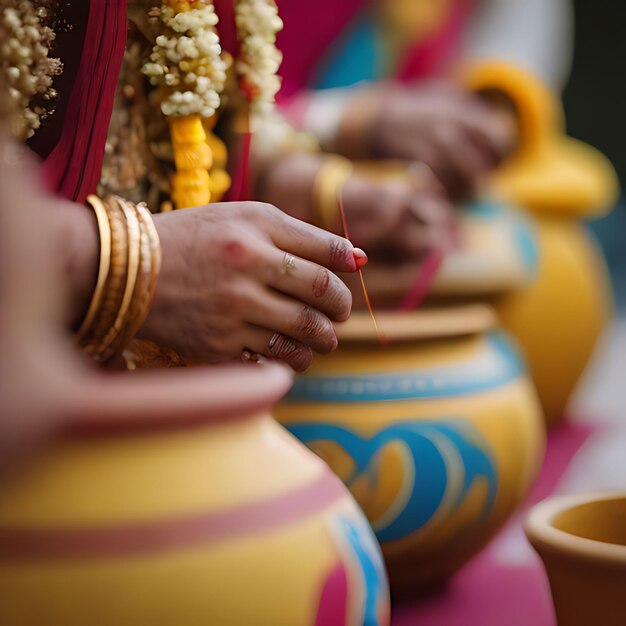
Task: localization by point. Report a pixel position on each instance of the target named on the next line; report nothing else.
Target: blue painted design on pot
(449, 456)
(495, 367)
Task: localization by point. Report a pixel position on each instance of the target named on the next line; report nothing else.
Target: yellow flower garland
(187, 66)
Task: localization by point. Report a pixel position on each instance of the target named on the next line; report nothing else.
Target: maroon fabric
(73, 167)
(68, 46)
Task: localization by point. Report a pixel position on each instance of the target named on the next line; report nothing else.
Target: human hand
(46, 384)
(245, 276)
(398, 218)
(460, 135)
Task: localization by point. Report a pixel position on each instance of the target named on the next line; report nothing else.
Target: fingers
(277, 346)
(310, 283)
(306, 241)
(278, 313)
(303, 280)
(488, 127)
(423, 178)
(462, 163)
(431, 208)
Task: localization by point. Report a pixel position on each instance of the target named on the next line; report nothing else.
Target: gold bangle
(127, 283)
(105, 348)
(114, 288)
(148, 276)
(104, 229)
(329, 181)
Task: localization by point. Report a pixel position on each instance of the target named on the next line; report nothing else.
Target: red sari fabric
(73, 166)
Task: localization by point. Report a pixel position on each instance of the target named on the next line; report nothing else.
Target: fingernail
(360, 258)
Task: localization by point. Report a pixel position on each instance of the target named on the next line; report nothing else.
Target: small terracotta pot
(223, 520)
(582, 541)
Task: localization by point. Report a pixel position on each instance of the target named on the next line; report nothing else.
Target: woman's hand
(46, 384)
(392, 211)
(399, 219)
(245, 276)
(458, 134)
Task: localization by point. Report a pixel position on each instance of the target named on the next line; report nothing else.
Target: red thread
(382, 338)
(242, 188)
(425, 278)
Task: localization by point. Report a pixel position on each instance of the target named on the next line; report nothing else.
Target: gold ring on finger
(289, 263)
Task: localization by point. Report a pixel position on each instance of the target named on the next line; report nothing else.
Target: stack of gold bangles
(130, 260)
(329, 181)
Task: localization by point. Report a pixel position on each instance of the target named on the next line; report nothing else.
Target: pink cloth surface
(506, 583)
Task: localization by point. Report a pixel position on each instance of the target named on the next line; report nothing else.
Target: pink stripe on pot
(80, 542)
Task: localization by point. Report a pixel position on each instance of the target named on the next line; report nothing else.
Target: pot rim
(204, 395)
(543, 534)
(431, 322)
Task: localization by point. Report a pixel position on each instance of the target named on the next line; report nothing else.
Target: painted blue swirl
(431, 471)
(366, 552)
(493, 368)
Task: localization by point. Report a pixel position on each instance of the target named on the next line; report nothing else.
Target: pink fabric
(491, 591)
(334, 600)
(74, 166)
(431, 57)
(311, 26)
(310, 29)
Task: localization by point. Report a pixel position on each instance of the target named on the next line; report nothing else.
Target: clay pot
(582, 541)
(558, 319)
(498, 250)
(438, 434)
(498, 253)
(222, 520)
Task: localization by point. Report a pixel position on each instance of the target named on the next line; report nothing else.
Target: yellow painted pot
(438, 435)
(222, 523)
(558, 320)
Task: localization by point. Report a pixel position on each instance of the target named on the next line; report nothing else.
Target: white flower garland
(257, 24)
(26, 66)
(186, 61)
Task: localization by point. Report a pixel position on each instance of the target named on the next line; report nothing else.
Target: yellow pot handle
(539, 110)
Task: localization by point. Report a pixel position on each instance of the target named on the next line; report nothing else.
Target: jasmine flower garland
(257, 25)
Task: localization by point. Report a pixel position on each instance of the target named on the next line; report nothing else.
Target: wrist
(80, 254)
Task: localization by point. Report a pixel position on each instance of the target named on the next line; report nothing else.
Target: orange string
(382, 338)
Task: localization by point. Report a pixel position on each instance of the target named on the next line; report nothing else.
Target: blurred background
(595, 102)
